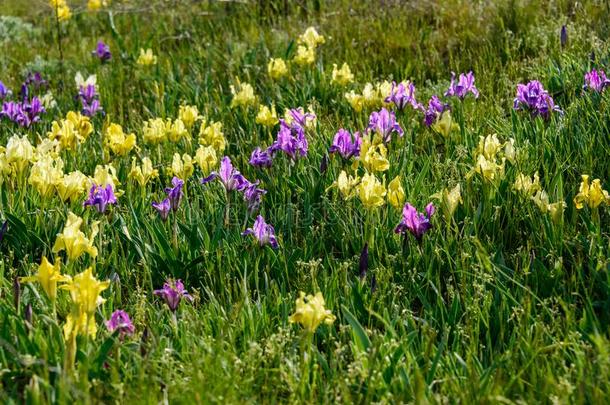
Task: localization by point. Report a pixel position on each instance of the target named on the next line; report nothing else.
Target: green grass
(499, 305)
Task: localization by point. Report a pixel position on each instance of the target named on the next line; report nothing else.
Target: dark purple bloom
(261, 158)
(253, 195)
(464, 86)
(435, 108)
(384, 123)
(364, 261)
(100, 197)
(402, 96)
(89, 98)
(175, 193)
(24, 113)
(173, 292)
(263, 232)
(414, 222)
(3, 229)
(596, 80)
(10, 110)
(230, 177)
(4, 91)
(290, 140)
(344, 145)
(535, 98)
(119, 320)
(102, 51)
(36, 81)
(563, 36)
(163, 208)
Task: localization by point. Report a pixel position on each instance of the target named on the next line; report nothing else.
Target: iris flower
(172, 293)
(263, 232)
(464, 85)
(100, 197)
(414, 222)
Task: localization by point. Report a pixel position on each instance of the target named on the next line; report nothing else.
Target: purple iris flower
(464, 86)
(533, 97)
(263, 232)
(102, 51)
(175, 193)
(100, 197)
(414, 222)
(119, 320)
(344, 145)
(596, 80)
(402, 96)
(261, 158)
(299, 117)
(173, 292)
(36, 81)
(253, 195)
(24, 113)
(89, 98)
(290, 140)
(4, 91)
(435, 108)
(10, 110)
(163, 208)
(230, 177)
(384, 123)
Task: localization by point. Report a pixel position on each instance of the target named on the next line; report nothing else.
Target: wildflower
(48, 101)
(155, 131)
(445, 124)
(384, 124)
(311, 312)
(290, 140)
(450, 199)
(299, 119)
(144, 173)
(146, 58)
(526, 185)
(48, 276)
(277, 68)
(177, 130)
(188, 114)
(370, 96)
(102, 51)
(24, 113)
(373, 155)
(488, 168)
(356, 101)
(396, 194)
(96, 5)
(100, 197)
(595, 80)
(4, 91)
(555, 210)
(263, 232)
(489, 146)
(267, 116)
(591, 194)
(19, 152)
(414, 222)
(533, 97)
(74, 241)
(172, 293)
(163, 208)
(61, 8)
(175, 193)
(45, 173)
(342, 76)
(81, 82)
(105, 175)
(85, 292)
(344, 145)
(402, 95)
(65, 133)
(305, 56)
(118, 141)
(211, 135)
(434, 111)
(347, 184)
(71, 186)
(261, 158)
(464, 86)
(182, 167)
(311, 38)
(253, 195)
(230, 177)
(371, 192)
(243, 96)
(119, 321)
(206, 158)
(82, 124)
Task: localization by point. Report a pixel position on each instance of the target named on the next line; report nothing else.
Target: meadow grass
(499, 303)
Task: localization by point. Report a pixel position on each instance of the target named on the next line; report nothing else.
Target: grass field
(497, 292)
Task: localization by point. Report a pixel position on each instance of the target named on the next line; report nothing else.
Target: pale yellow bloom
(342, 76)
(155, 130)
(371, 192)
(593, 195)
(19, 152)
(85, 291)
(118, 141)
(311, 312)
(47, 147)
(555, 210)
(188, 114)
(243, 95)
(373, 155)
(396, 194)
(74, 241)
(65, 133)
(71, 186)
(347, 184)
(356, 101)
(146, 58)
(48, 276)
(489, 169)
(489, 146)
(305, 56)
(267, 116)
(177, 131)
(61, 8)
(182, 167)
(143, 173)
(96, 5)
(211, 135)
(79, 324)
(370, 96)
(311, 38)
(526, 185)
(80, 80)
(277, 68)
(106, 175)
(445, 124)
(45, 173)
(384, 89)
(206, 158)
